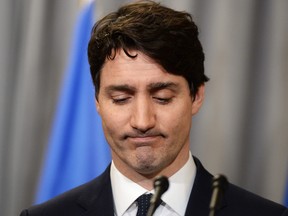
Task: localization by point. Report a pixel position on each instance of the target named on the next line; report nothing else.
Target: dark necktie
(143, 204)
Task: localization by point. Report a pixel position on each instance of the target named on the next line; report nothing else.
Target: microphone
(161, 185)
(219, 185)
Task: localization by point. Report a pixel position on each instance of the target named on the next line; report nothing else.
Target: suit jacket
(95, 199)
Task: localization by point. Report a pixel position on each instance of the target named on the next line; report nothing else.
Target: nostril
(143, 126)
(143, 115)
(142, 122)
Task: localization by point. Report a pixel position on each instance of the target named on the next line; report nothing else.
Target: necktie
(143, 204)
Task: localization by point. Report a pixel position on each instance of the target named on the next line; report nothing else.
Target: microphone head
(162, 183)
(219, 181)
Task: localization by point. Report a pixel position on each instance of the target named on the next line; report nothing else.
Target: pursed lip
(141, 140)
(146, 135)
(144, 139)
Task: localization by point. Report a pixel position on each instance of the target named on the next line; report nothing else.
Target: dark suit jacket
(95, 199)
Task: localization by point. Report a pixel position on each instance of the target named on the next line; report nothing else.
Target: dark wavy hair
(167, 36)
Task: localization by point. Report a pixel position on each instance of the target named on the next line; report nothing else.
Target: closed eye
(162, 100)
(121, 100)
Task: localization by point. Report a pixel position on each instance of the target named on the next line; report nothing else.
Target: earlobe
(198, 99)
(97, 105)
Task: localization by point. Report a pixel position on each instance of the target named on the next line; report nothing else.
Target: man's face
(146, 115)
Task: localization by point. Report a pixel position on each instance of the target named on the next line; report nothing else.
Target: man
(147, 67)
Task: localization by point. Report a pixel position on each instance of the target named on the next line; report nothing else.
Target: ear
(97, 105)
(198, 99)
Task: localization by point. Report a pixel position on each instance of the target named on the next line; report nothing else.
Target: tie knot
(143, 204)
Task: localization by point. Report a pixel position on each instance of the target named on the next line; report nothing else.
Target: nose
(143, 116)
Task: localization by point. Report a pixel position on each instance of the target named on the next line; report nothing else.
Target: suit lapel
(201, 193)
(97, 198)
(199, 200)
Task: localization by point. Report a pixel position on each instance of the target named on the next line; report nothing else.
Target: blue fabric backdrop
(77, 150)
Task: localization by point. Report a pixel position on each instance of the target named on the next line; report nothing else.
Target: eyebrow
(152, 87)
(122, 88)
(163, 85)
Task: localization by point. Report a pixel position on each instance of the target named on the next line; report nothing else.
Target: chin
(147, 168)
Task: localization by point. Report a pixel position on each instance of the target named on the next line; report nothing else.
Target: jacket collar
(97, 199)
(201, 193)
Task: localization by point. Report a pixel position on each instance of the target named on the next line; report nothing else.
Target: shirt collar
(180, 183)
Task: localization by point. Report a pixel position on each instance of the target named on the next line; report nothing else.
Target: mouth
(148, 139)
(147, 135)
(143, 139)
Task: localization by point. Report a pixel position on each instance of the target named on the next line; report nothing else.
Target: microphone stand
(161, 185)
(219, 185)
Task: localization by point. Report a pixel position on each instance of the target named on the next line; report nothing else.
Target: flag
(77, 150)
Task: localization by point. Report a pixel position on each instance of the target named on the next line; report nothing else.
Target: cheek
(177, 121)
(176, 113)
(113, 121)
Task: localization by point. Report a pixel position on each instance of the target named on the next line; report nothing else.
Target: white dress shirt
(175, 199)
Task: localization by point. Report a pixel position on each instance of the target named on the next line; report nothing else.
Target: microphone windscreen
(162, 183)
(220, 181)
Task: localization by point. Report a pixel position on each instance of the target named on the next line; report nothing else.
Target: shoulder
(236, 201)
(242, 202)
(73, 202)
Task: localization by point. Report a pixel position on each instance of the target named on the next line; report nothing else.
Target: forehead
(123, 64)
(139, 70)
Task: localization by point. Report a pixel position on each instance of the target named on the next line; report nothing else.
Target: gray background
(242, 129)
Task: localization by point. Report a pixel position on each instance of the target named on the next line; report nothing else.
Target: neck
(146, 180)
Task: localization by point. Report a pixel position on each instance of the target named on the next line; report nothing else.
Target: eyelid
(163, 100)
(121, 100)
